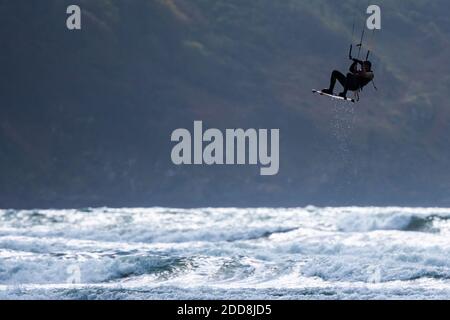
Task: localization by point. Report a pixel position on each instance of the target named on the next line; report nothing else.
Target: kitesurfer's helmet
(367, 65)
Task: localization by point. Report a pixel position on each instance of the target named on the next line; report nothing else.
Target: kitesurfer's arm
(368, 75)
(354, 67)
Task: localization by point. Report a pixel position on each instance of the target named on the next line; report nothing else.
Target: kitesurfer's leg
(349, 84)
(336, 75)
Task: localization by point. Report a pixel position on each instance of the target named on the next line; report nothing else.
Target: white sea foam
(150, 253)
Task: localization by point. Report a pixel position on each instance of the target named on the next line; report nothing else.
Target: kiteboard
(333, 96)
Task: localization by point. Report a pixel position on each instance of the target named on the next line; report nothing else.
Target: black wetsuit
(354, 80)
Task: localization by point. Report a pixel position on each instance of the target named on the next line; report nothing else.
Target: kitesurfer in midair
(355, 80)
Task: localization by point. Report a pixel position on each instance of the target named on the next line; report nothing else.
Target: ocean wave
(159, 252)
(393, 219)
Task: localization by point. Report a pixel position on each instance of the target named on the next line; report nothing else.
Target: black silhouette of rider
(355, 80)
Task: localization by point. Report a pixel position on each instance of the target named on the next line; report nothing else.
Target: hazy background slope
(86, 117)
